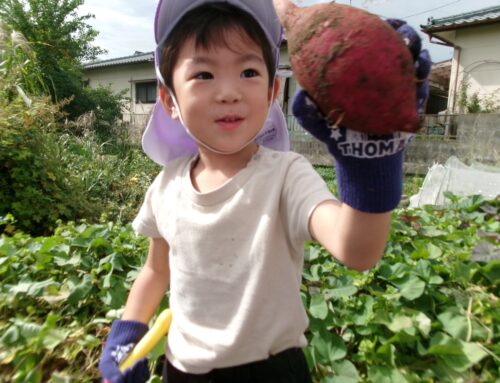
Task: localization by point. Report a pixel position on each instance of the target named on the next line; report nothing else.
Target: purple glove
(369, 167)
(122, 338)
(421, 58)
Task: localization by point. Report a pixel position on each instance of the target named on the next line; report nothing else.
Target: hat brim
(166, 139)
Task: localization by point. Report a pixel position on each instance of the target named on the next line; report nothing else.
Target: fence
(473, 138)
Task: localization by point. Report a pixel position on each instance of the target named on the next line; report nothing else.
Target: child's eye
(249, 73)
(203, 76)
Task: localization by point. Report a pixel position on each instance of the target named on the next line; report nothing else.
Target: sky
(126, 26)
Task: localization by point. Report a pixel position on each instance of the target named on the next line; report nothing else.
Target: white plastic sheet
(458, 178)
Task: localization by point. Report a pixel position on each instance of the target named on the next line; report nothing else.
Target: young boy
(228, 215)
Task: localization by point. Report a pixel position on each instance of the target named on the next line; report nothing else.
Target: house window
(145, 92)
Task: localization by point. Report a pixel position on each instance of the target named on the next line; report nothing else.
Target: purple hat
(165, 138)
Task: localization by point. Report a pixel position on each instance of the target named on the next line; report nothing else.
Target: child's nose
(228, 93)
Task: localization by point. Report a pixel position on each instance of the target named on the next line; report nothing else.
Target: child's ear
(168, 103)
(274, 91)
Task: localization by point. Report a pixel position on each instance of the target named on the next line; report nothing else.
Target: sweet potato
(354, 65)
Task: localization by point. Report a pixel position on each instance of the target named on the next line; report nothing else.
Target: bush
(50, 173)
(76, 280)
(115, 173)
(36, 186)
(104, 104)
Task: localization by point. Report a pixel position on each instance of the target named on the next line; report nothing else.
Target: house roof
(440, 74)
(136, 58)
(463, 20)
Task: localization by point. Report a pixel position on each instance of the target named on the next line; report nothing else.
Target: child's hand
(122, 338)
(369, 167)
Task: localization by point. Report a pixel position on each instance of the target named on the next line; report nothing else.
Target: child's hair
(208, 25)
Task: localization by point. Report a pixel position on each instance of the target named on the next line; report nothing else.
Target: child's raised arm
(357, 239)
(369, 173)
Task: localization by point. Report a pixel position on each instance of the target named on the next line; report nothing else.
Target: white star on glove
(336, 134)
(121, 352)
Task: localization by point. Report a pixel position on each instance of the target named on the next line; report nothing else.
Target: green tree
(61, 40)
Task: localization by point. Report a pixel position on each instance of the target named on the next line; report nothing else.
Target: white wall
(122, 77)
(476, 61)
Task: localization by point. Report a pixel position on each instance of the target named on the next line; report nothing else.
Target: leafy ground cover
(429, 312)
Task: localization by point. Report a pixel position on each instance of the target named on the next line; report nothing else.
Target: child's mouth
(229, 122)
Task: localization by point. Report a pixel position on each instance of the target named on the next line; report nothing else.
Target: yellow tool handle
(149, 341)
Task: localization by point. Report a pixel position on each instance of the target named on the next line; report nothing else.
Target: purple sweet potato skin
(354, 66)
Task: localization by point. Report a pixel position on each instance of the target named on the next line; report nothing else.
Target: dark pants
(288, 366)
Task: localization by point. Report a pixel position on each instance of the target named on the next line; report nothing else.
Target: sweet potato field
(429, 311)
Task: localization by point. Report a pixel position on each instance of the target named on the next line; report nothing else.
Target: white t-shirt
(236, 257)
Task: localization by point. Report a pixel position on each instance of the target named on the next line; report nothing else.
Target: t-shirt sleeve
(303, 190)
(145, 222)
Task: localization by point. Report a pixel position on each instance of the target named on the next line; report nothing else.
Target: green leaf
(364, 314)
(423, 324)
(75, 260)
(318, 307)
(432, 231)
(89, 342)
(492, 271)
(454, 324)
(341, 292)
(53, 245)
(380, 374)
(314, 272)
(387, 353)
(28, 330)
(411, 287)
(80, 290)
(115, 296)
(473, 351)
(345, 372)
(423, 269)
(435, 280)
(456, 354)
(10, 337)
(21, 288)
(100, 242)
(36, 289)
(311, 253)
(400, 322)
(328, 347)
(26, 375)
(53, 338)
(58, 377)
(434, 251)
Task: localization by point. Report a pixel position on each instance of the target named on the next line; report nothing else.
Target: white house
(475, 37)
(136, 75)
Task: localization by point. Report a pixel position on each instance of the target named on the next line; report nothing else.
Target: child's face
(223, 93)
